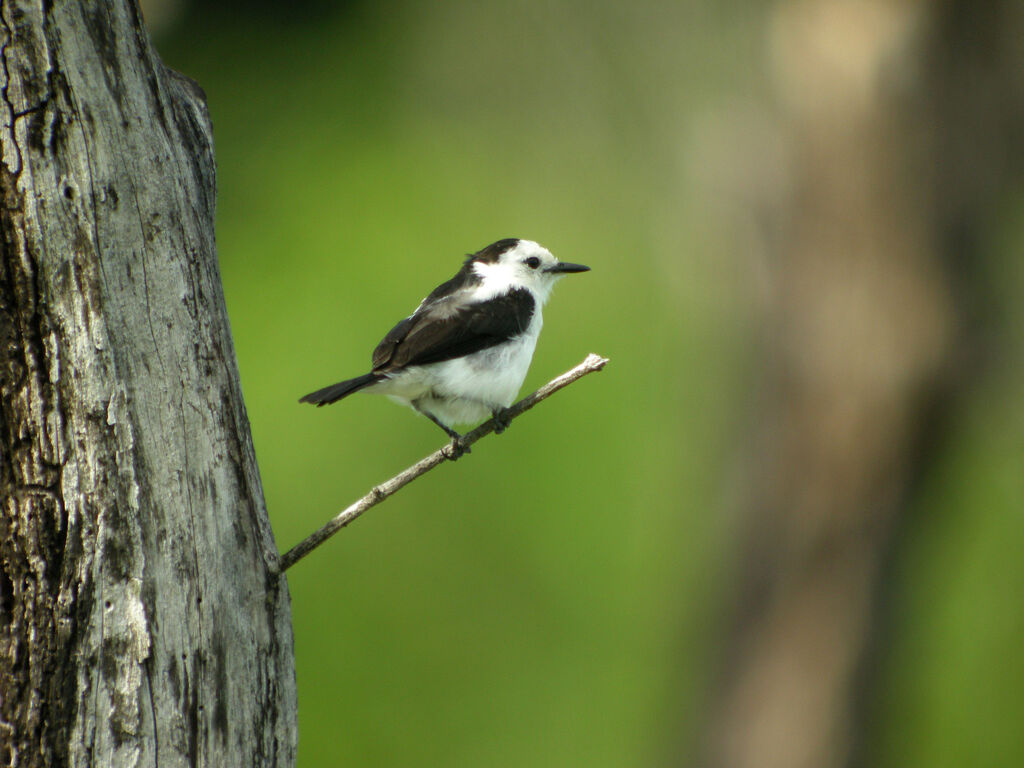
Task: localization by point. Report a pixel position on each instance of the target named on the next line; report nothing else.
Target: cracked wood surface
(139, 622)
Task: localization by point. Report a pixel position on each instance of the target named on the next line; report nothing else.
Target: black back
(443, 329)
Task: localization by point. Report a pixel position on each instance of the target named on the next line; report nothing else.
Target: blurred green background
(554, 599)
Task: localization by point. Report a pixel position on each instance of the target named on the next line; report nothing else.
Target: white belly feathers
(467, 389)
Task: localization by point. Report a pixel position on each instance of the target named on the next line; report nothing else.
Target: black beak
(565, 266)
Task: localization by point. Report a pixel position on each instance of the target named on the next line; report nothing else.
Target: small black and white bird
(463, 354)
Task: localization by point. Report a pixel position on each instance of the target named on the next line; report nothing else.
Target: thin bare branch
(380, 492)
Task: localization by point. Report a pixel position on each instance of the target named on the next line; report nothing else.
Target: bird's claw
(501, 420)
(455, 449)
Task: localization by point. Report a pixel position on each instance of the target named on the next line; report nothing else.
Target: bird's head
(513, 263)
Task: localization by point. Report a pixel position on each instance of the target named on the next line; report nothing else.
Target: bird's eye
(533, 262)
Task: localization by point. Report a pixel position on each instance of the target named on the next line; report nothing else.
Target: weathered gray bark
(902, 120)
(141, 621)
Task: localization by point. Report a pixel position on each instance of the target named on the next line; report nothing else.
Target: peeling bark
(141, 622)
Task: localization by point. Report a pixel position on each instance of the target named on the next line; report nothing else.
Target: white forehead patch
(524, 250)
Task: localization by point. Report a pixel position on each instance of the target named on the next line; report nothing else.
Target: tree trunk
(142, 621)
(900, 118)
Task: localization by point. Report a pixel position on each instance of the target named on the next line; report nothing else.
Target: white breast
(492, 376)
(468, 389)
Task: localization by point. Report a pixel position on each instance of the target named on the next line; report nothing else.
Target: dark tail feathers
(335, 392)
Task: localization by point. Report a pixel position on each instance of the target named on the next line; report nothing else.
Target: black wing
(440, 332)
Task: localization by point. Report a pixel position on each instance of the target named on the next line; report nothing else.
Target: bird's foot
(501, 420)
(456, 448)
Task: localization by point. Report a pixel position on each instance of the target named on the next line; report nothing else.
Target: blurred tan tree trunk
(903, 121)
(141, 621)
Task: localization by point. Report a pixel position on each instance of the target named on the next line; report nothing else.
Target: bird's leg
(501, 420)
(457, 448)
